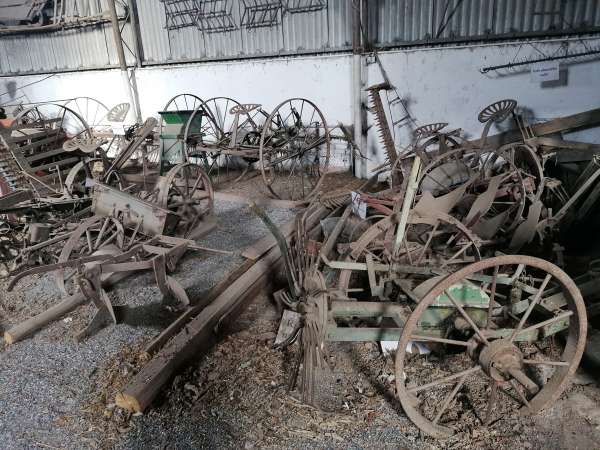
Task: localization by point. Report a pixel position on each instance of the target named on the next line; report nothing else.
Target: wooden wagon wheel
(187, 191)
(91, 236)
(294, 149)
(436, 241)
(491, 326)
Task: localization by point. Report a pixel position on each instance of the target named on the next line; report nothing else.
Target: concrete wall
(441, 84)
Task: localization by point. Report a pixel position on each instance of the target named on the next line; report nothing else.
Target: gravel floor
(56, 394)
(47, 382)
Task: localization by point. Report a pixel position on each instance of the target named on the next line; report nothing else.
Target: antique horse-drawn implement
(507, 331)
(125, 234)
(291, 145)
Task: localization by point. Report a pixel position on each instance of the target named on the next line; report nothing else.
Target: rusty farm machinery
(434, 264)
(290, 145)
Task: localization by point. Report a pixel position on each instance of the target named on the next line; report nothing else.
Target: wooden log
(561, 125)
(196, 337)
(35, 323)
(176, 326)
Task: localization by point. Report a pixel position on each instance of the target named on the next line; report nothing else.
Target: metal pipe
(135, 28)
(359, 165)
(129, 86)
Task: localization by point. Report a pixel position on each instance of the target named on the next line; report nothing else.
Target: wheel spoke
(423, 338)
(492, 298)
(534, 302)
(545, 363)
(449, 398)
(466, 317)
(444, 380)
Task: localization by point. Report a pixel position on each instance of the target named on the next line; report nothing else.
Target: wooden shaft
(35, 323)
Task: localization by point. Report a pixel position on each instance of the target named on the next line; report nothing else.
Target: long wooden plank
(196, 336)
(563, 124)
(198, 305)
(62, 162)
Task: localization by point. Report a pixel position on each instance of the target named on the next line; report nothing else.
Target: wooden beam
(199, 334)
(561, 125)
(196, 337)
(177, 325)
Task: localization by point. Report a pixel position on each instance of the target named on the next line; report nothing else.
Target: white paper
(545, 71)
(358, 206)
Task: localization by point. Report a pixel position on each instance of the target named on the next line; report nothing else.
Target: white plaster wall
(324, 80)
(445, 85)
(441, 84)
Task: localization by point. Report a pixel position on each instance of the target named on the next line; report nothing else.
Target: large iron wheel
(187, 191)
(494, 329)
(95, 234)
(294, 149)
(438, 242)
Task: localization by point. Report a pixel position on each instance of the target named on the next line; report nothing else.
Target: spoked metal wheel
(187, 191)
(518, 156)
(212, 128)
(294, 149)
(436, 241)
(431, 141)
(91, 110)
(93, 235)
(99, 118)
(508, 334)
(448, 170)
(52, 116)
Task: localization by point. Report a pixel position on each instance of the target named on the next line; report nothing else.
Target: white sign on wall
(545, 71)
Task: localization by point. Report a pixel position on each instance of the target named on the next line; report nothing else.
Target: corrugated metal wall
(390, 23)
(402, 22)
(327, 29)
(89, 47)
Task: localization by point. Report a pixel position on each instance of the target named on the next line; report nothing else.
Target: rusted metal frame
(584, 187)
(407, 204)
(141, 135)
(290, 266)
(108, 201)
(53, 267)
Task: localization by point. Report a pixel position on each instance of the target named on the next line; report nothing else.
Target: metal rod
(533, 61)
(129, 86)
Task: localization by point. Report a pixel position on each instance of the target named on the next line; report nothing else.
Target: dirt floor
(57, 394)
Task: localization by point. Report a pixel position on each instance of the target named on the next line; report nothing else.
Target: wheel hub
(500, 358)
